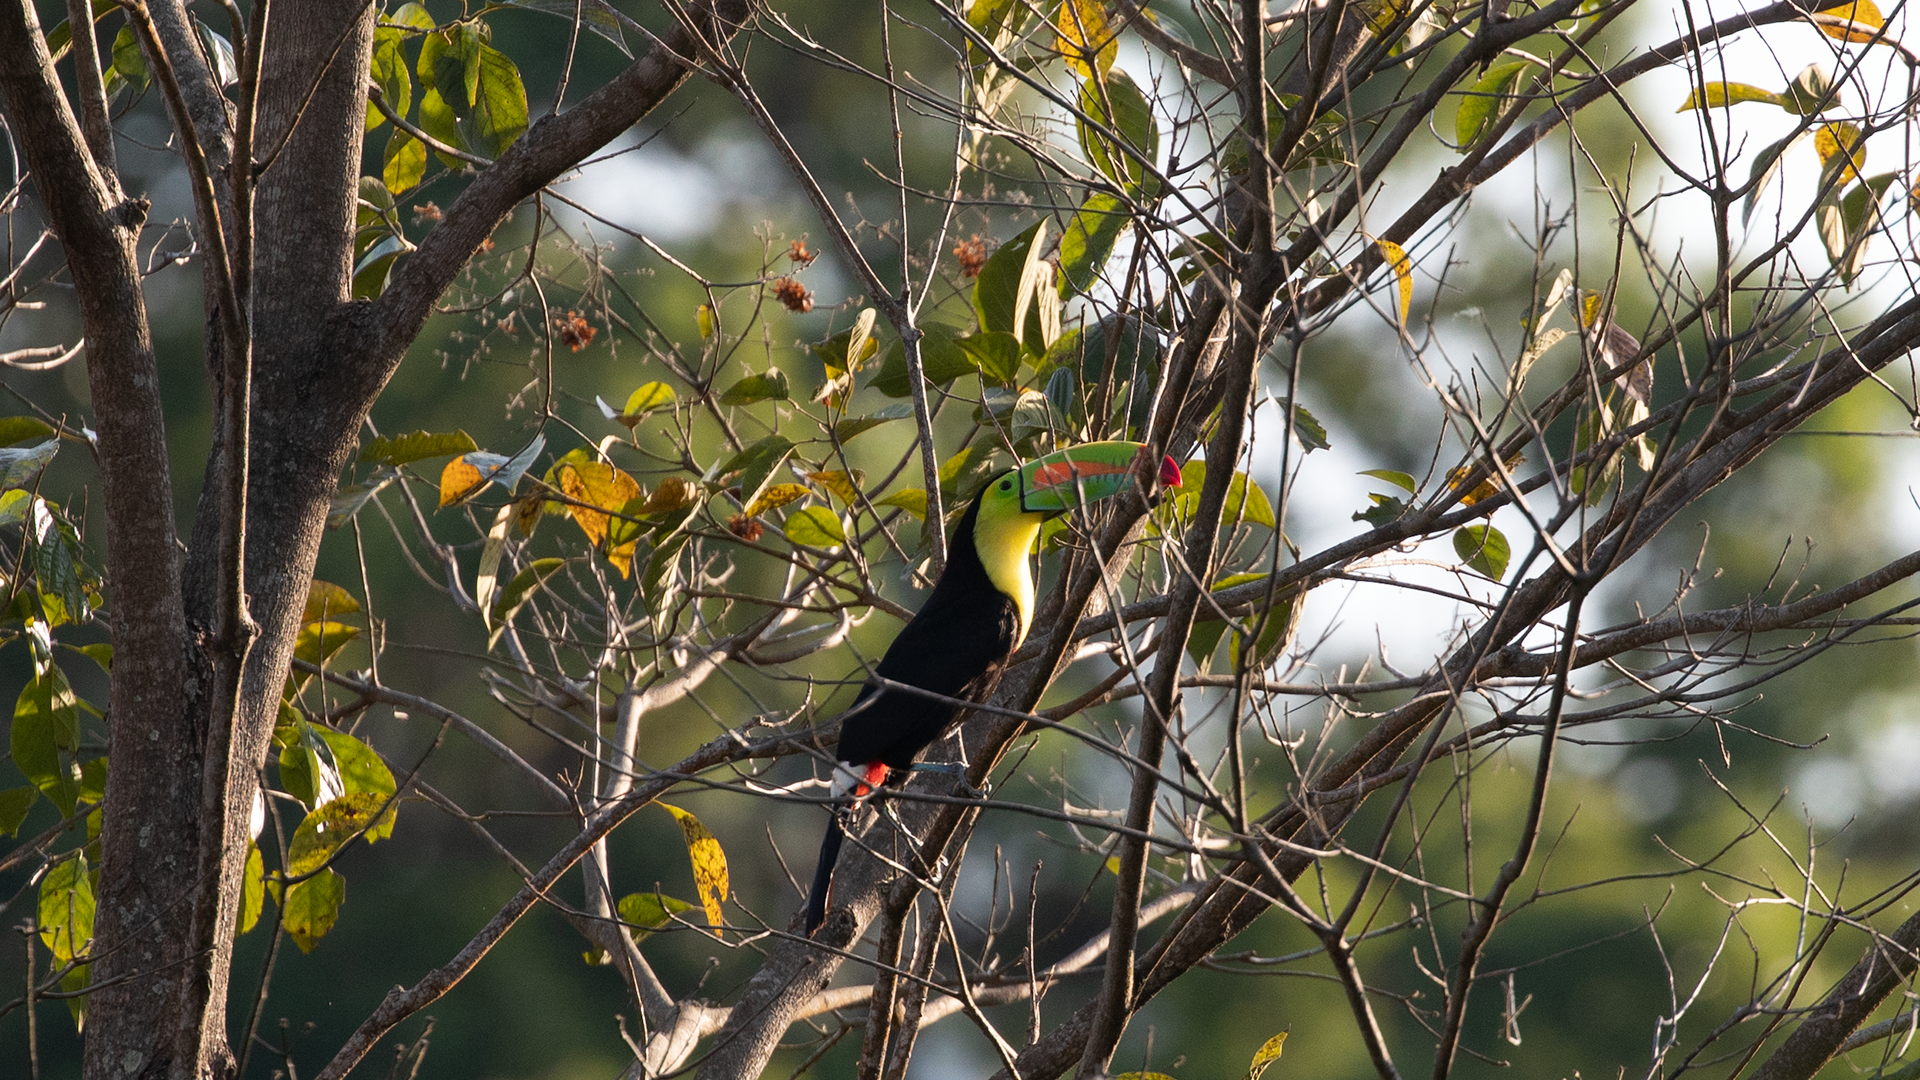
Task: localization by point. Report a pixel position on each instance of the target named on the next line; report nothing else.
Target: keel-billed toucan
(976, 617)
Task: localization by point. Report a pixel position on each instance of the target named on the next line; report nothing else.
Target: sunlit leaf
(404, 163)
(1865, 17)
(1842, 149)
(755, 465)
(1718, 95)
(1485, 100)
(709, 864)
(319, 641)
(602, 487)
(776, 496)
(998, 286)
(329, 827)
(1268, 1053)
(912, 500)
(1396, 259)
(486, 578)
(649, 911)
(1484, 548)
(1245, 499)
(325, 600)
(18, 429)
(1384, 510)
(845, 488)
(253, 890)
(815, 526)
(1084, 38)
(311, 908)
(66, 910)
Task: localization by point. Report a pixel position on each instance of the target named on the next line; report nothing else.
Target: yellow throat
(1003, 536)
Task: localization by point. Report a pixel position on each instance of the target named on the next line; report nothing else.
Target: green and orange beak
(1080, 475)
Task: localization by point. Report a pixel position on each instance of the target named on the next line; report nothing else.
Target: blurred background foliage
(1830, 757)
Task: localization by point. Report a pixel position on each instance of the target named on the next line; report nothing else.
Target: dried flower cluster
(574, 330)
(793, 295)
(746, 528)
(972, 253)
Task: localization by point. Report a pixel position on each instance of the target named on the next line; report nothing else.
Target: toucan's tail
(823, 875)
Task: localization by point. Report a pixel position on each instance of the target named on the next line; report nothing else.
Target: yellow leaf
(709, 864)
(1396, 257)
(775, 497)
(1083, 37)
(1719, 95)
(457, 481)
(526, 513)
(325, 600)
(1485, 489)
(842, 485)
(912, 500)
(1835, 139)
(1864, 16)
(704, 316)
(1268, 1053)
(1113, 864)
(602, 487)
(674, 493)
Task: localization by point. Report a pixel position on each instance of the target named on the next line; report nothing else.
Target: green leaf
(253, 890)
(1310, 432)
(649, 911)
(1484, 100)
(46, 721)
(416, 446)
(60, 38)
(1809, 92)
(845, 430)
(20, 464)
(522, 586)
(129, 63)
(312, 907)
(1385, 510)
(1089, 241)
(912, 500)
(1484, 548)
(815, 526)
(331, 825)
(362, 772)
(1394, 477)
(319, 641)
(1719, 95)
(66, 910)
(438, 120)
(100, 653)
(942, 360)
(14, 506)
(995, 353)
(998, 286)
(56, 569)
(18, 429)
(390, 73)
(14, 805)
(499, 103)
(404, 164)
(770, 386)
(370, 273)
(1123, 109)
(646, 398)
(1244, 497)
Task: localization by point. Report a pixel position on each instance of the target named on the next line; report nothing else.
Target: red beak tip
(1169, 472)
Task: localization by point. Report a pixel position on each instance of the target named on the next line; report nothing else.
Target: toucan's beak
(1085, 474)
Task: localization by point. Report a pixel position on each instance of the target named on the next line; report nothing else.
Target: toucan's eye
(1006, 485)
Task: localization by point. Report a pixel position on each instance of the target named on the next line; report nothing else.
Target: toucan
(959, 642)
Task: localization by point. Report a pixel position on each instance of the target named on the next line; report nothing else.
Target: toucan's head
(1015, 503)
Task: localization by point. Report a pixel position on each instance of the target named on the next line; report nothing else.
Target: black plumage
(956, 646)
